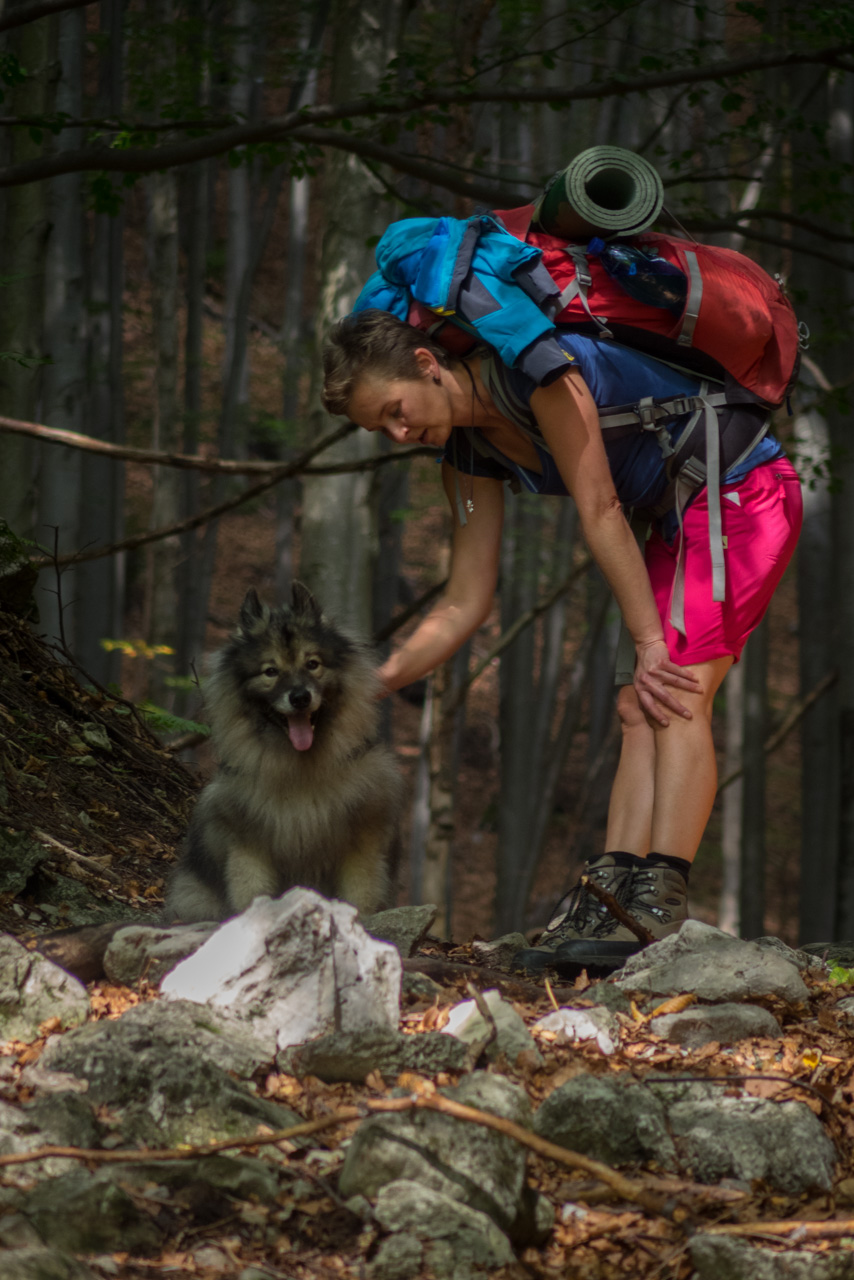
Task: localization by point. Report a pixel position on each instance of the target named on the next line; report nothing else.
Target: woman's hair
(371, 342)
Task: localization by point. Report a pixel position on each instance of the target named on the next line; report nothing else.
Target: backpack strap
(578, 286)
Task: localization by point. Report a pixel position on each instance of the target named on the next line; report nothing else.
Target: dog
(304, 793)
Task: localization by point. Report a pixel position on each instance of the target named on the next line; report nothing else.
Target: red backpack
(735, 313)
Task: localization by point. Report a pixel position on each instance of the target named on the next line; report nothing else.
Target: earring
(438, 381)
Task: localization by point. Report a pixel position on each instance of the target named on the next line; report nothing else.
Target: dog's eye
(272, 672)
(312, 664)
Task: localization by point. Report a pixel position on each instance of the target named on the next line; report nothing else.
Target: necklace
(470, 498)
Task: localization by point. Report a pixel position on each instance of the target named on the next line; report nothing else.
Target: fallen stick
(619, 913)
(647, 1195)
(795, 1228)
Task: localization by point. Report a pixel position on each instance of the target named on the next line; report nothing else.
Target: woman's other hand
(656, 679)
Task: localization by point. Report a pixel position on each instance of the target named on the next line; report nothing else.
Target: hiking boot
(584, 915)
(653, 894)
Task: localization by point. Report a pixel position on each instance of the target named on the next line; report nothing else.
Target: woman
(494, 423)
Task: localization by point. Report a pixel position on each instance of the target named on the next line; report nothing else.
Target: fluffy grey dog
(304, 793)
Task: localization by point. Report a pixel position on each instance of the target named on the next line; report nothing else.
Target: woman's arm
(467, 598)
(569, 421)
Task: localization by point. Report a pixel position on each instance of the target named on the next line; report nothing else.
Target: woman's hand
(655, 678)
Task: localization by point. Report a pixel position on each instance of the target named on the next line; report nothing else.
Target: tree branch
(790, 720)
(195, 462)
(42, 9)
(147, 159)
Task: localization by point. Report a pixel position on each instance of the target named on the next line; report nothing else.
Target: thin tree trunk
(752, 889)
(22, 245)
(63, 387)
(101, 582)
(818, 604)
(729, 915)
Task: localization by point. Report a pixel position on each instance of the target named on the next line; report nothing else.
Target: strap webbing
(695, 297)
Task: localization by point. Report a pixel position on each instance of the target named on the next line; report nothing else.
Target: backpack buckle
(646, 411)
(649, 415)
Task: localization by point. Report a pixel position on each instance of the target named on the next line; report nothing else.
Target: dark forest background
(190, 194)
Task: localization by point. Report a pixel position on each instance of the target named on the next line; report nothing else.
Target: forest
(191, 192)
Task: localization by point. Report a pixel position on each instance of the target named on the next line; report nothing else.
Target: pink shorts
(761, 518)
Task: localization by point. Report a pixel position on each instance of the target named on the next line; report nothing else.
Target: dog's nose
(300, 699)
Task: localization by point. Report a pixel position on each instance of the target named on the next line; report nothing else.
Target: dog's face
(289, 663)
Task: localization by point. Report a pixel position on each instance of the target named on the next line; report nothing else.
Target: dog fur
(304, 793)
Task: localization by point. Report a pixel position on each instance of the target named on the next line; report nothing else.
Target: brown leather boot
(584, 915)
(654, 894)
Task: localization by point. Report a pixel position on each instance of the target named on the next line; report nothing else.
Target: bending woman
(494, 423)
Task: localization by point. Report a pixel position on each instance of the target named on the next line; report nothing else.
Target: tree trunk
(22, 249)
(101, 582)
(65, 336)
(820, 779)
(339, 533)
(752, 888)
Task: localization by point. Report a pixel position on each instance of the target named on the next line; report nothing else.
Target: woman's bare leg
(686, 773)
(666, 779)
(630, 808)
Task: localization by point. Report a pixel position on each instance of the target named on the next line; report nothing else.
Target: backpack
(491, 278)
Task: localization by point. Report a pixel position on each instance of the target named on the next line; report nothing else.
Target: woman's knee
(630, 713)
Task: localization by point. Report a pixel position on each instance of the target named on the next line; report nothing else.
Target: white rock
(583, 1024)
(295, 968)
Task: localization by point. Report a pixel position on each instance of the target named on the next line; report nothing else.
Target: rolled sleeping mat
(605, 191)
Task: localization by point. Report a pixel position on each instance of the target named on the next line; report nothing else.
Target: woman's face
(406, 410)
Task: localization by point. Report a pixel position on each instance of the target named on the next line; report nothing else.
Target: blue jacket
(471, 269)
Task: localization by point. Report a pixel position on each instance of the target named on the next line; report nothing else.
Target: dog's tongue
(300, 730)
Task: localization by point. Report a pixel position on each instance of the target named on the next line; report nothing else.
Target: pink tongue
(300, 730)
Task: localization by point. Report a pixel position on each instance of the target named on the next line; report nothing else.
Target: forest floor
(84, 779)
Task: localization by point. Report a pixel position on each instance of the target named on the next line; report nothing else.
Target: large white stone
(295, 967)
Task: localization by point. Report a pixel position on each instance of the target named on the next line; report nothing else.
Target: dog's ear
(304, 602)
(254, 615)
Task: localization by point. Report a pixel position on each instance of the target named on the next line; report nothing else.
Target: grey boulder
(714, 966)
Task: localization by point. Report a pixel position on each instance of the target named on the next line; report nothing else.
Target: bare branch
(147, 159)
(215, 466)
(42, 9)
(793, 717)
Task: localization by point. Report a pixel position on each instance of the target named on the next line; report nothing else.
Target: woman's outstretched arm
(467, 599)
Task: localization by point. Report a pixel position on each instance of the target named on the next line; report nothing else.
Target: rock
(236, 1176)
(404, 927)
(724, 1023)
(420, 986)
(831, 953)
(499, 953)
(470, 1241)
(145, 951)
(399, 1257)
(802, 956)
(40, 1263)
(167, 1027)
(845, 1007)
(720, 1258)
(352, 1055)
(571, 1025)
(87, 1212)
(470, 1163)
(614, 1120)
(605, 995)
(294, 968)
(512, 1037)
(713, 965)
(782, 1144)
(163, 1091)
(19, 857)
(32, 990)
